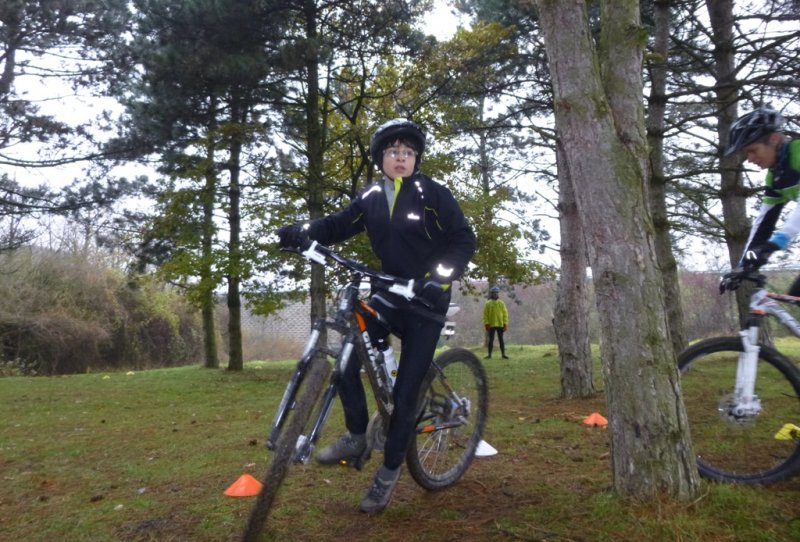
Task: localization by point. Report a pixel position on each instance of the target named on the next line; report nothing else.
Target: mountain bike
(742, 397)
(452, 407)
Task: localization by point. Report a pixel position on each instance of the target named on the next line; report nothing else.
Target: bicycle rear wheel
(751, 449)
(308, 395)
(454, 402)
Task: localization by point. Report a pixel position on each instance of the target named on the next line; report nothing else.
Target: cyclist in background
(418, 231)
(757, 135)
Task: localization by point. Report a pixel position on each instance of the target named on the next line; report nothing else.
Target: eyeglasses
(397, 153)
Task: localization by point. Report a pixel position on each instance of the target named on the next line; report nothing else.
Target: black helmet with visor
(752, 127)
(389, 132)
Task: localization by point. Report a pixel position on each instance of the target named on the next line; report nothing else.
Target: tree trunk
(207, 281)
(571, 312)
(236, 356)
(658, 182)
(600, 121)
(206, 276)
(315, 159)
(488, 214)
(732, 193)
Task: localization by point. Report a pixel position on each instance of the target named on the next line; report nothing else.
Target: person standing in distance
(757, 135)
(418, 231)
(495, 320)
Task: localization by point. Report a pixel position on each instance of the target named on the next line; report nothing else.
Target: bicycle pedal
(357, 462)
(363, 459)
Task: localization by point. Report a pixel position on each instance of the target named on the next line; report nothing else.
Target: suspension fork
(306, 443)
(746, 400)
(287, 401)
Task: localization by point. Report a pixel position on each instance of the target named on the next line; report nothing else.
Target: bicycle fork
(306, 443)
(289, 395)
(746, 403)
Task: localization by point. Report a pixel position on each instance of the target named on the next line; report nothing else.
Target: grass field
(148, 455)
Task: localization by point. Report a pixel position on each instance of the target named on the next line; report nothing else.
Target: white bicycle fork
(745, 402)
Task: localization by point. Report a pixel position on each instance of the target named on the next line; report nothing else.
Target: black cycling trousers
(499, 331)
(419, 337)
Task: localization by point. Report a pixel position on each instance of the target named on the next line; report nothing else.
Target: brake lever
(312, 254)
(406, 291)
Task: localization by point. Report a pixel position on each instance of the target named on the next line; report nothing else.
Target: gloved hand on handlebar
(730, 281)
(758, 255)
(293, 236)
(429, 291)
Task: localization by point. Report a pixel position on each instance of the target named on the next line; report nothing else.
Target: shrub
(62, 314)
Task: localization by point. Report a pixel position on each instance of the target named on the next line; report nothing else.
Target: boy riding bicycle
(418, 231)
(757, 135)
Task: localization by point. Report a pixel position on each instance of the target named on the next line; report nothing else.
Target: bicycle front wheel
(452, 415)
(307, 396)
(731, 446)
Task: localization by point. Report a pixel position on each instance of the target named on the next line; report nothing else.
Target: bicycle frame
(762, 303)
(350, 323)
(452, 402)
(354, 339)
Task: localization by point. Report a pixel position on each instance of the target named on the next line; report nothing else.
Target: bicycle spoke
(452, 424)
(731, 444)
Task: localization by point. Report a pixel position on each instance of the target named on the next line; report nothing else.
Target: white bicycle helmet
(751, 127)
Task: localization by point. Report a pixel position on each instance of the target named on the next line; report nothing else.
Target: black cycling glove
(730, 281)
(292, 236)
(430, 291)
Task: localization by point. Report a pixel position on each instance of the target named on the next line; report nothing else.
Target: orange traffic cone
(595, 419)
(245, 486)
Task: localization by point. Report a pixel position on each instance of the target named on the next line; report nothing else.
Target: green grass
(147, 456)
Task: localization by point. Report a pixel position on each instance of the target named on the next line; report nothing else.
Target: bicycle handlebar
(748, 273)
(314, 252)
(730, 281)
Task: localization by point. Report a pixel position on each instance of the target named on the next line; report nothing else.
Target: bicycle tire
(741, 449)
(439, 458)
(307, 397)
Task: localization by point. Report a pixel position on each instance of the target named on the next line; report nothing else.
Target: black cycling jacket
(426, 230)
